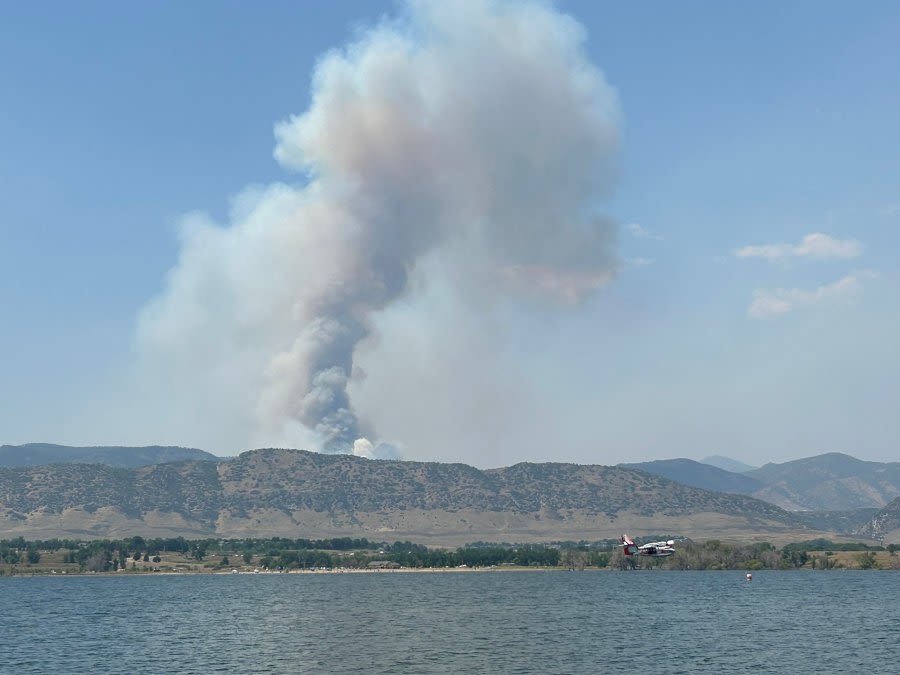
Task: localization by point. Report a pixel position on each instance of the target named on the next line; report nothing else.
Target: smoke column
(474, 133)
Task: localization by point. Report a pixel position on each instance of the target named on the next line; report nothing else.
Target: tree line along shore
(139, 555)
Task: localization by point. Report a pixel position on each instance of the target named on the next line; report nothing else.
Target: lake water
(429, 622)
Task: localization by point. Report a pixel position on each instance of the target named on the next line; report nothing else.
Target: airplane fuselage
(655, 549)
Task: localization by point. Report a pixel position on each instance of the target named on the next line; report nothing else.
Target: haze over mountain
(832, 481)
(36, 454)
(727, 463)
(701, 475)
(298, 493)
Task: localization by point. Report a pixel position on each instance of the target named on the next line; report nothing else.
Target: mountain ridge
(299, 493)
(37, 454)
(831, 482)
(828, 482)
(700, 474)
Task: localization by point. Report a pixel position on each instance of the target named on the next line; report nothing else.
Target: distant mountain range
(701, 475)
(37, 454)
(829, 482)
(50, 490)
(304, 494)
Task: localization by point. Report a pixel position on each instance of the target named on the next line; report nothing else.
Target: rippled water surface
(428, 622)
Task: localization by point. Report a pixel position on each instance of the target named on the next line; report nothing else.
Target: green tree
(599, 559)
(867, 561)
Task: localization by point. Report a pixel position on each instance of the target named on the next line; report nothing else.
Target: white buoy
(749, 576)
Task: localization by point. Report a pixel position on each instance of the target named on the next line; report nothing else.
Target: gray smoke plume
(472, 133)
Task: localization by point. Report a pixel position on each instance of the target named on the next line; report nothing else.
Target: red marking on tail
(628, 546)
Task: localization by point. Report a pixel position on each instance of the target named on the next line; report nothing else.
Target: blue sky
(741, 126)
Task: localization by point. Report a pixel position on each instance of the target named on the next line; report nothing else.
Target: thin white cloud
(771, 303)
(817, 246)
(639, 262)
(642, 232)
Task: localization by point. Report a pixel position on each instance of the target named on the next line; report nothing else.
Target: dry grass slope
(296, 493)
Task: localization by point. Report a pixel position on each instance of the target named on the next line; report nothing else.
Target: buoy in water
(749, 576)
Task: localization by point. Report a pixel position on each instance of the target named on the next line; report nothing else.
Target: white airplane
(655, 549)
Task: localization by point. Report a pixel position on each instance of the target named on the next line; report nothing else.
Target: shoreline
(259, 572)
(409, 570)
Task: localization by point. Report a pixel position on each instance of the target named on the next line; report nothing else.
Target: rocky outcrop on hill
(845, 522)
(885, 524)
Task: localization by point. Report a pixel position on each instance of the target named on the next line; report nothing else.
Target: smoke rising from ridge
(474, 137)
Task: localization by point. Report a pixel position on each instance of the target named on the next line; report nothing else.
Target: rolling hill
(295, 493)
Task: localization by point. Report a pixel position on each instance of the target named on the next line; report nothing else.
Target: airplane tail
(628, 545)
